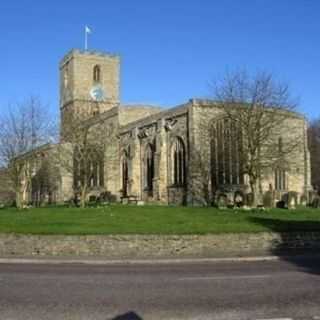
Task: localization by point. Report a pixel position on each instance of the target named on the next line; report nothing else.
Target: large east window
(226, 145)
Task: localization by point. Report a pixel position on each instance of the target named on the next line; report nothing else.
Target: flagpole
(87, 30)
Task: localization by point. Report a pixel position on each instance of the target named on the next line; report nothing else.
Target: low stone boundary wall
(156, 246)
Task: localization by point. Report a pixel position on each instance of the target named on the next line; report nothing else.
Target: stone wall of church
(202, 115)
(297, 162)
(132, 113)
(130, 148)
(177, 128)
(107, 127)
(63, 152)
(154, 134)
(104, 128)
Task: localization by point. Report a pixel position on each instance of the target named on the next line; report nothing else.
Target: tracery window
(226, 142)
(96, 73)
(178, 156)
(149, 167)
(88, 168)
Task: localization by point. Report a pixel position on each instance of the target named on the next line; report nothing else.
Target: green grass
(119, 219)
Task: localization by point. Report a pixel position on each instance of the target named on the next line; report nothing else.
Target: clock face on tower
(97, 93)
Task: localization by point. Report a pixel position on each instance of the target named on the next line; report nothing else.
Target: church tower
(89, 85)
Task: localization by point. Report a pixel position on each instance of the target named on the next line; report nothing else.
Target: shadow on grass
(299, 242)
(128, 316)
(282, 225)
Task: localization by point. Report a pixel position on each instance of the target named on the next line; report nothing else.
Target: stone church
(156, 155)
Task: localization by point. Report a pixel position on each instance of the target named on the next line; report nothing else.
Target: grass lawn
(119, 219)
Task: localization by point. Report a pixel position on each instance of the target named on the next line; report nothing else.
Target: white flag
(88, 30)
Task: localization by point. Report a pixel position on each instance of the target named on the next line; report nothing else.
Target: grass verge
(155, 220)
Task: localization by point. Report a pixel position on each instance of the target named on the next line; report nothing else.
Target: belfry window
(149, 168)
(178, 156)
(96, 74)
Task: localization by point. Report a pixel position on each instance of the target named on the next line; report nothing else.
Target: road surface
(228, 290)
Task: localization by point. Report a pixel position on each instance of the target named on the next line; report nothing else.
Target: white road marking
(263, 276)
(277, 319)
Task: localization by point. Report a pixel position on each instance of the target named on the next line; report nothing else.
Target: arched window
(149, 168)
(88, 168)
(280, 179)
(96, 74)
(178, 156)
(125, 173)
(225, 149)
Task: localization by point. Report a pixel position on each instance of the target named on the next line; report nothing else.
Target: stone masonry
(158, 246)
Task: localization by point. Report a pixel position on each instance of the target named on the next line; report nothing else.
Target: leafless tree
(314, 147)
(45, 176)
(24, 127)
(81, 153)
(258, 107)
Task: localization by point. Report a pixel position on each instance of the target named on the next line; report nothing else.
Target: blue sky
(170, 49)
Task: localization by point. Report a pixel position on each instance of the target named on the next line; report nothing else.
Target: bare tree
(45, 175)
(23, 128)
(314, 147)
(258, 107)
(81, 153)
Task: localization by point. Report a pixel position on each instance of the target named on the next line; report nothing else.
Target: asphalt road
(233, 290)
